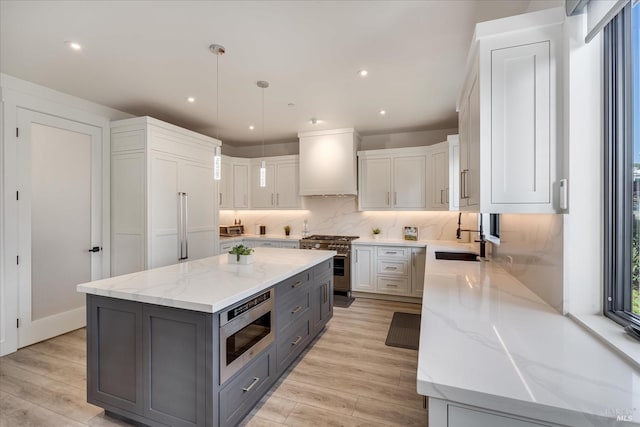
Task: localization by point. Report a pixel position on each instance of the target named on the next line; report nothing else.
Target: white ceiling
(146, 57)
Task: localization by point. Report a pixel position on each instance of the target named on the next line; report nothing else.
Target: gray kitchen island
(199, 343)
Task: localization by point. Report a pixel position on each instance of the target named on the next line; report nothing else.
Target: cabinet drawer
(289, 245)
(292, 342)
(323, 269)
(393, 285)
(292, 284)
(395, 268)
(292, 308)
(238, 397)
(393, 252)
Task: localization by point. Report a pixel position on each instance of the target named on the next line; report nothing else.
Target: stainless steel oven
(245, 330)
(341, 261)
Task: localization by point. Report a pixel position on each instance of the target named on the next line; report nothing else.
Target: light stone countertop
(279, 237)
(209, 284)
(488, 341)
(370, 241)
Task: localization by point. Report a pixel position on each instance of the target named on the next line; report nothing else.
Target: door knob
(95, 249)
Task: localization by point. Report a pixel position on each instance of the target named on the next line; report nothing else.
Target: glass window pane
(635, 265)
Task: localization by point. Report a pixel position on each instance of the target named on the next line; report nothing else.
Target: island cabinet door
(178, 373)
(322, 301)
(114, 354)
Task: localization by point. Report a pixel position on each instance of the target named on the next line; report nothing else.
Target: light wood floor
(349, 377)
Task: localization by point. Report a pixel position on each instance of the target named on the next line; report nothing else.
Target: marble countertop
(389, 242)
(209, 284)
(279, 237)
(488, 341)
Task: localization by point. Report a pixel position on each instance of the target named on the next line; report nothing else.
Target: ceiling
(147, 57)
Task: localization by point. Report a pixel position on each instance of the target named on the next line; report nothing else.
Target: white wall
(16, 94)
(339, 215)
(371, 142)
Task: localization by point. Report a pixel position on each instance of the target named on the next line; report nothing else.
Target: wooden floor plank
(348, 377)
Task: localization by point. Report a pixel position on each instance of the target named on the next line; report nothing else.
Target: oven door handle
(341, 256)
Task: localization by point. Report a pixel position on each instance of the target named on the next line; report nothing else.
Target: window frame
(618, 169)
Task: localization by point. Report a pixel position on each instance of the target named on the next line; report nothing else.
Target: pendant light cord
(218, 97)
(263, 123)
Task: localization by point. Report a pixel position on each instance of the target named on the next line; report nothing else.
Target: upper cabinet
(281, 190)
(510, 124)
(392, 179)
(438, 176)
(234, 183)
(454, 172)
(328, 162)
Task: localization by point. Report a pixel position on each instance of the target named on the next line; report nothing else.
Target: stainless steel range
(341, 262)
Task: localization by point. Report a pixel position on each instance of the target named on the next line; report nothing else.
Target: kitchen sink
(457, 256)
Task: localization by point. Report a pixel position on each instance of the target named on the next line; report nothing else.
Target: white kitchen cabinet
(362, 268)
(240, 183)
(393, 269)
(452, 414)
(271, 243)
(169, 177)
(418, 258)
(438, 176)
(454, 172)
(226, 245)
(281, 190)
(510, 116)
(328, 162)
(392, 179)
(225, 186)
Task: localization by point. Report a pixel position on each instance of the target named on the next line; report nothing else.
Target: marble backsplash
(531, 249)
(340, 215)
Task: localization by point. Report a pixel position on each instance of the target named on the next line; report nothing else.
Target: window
(622, 167)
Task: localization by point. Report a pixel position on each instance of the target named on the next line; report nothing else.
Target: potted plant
(240, 254)
(376, 232)
(287, 230)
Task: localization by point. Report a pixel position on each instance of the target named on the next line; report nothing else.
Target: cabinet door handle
(277, 199)
(413, 259)
(297, 341)
(250, 386)
(271, 199)
(297, 284)
(442, 196)
(388, 198)
(297, 309)
(395, 197)
(325, 292)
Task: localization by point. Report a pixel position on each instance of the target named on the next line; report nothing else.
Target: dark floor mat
(404, 331)
(342, 301)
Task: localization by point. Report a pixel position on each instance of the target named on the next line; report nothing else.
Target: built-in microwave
(245, 330)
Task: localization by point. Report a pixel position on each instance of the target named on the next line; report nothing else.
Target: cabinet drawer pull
(442, 196)
(297, 284)
(389, 285)
(391, 253)
(250, 386)
(297, 341)
(297, 309)
(390, 268)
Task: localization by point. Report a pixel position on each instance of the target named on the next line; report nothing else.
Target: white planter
(246, 259)
(375, 236)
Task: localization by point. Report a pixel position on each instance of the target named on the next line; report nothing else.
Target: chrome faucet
(482, 241)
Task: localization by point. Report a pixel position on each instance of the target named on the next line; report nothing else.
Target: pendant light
(217, 50)
(263, 169)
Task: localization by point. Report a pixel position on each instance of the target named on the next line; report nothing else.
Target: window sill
(611, 334)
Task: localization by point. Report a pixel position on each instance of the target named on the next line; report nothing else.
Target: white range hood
(328, 162)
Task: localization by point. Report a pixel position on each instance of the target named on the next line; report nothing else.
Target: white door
(198, 186)
(164, 212)
(287, 183)
(240, 186)
(60, 205)
(409, 182)
(263, 197)
(375, 183)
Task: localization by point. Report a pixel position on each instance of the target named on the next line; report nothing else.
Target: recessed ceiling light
(73, 45)
(383, 112)
(191, 99)
(251, 127)
(363, 73)
(291, 104)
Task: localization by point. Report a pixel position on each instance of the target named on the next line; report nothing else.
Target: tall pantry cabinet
(164, 207)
